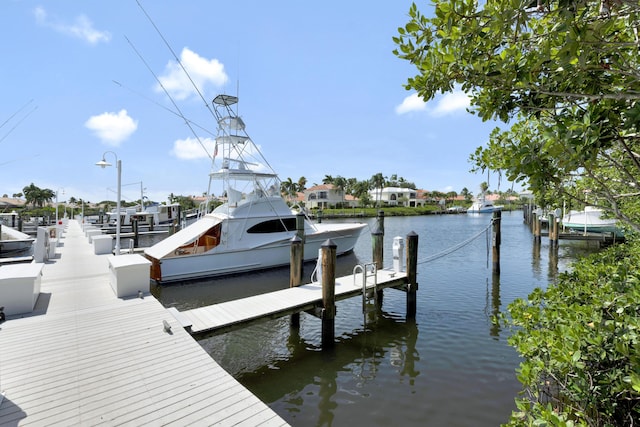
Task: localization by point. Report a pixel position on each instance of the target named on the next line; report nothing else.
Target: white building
(327, 196)
(397, 196)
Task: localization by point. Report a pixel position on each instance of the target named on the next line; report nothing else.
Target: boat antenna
(177, 59)
(187, 122)
(164, 107)
(19, 121)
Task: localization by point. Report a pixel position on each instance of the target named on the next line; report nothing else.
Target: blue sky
(319, 88)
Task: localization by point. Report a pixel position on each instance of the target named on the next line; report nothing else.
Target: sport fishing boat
(253, 227)
(482, 205)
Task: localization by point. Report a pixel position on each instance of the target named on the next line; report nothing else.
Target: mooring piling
(295, 275)
(328, 316)
(412, 274)
(496, 240)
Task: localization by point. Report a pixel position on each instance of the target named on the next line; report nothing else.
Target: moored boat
(482, 205)
(253, 228)
(590, 220)
(13, 241)
(156, 214)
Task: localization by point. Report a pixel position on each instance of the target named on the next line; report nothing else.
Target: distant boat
(589, 220)
(483, 205)
(13, 241)
(253, 228)
(159, 214)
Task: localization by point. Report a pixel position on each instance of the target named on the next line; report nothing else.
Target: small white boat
(158, 214)
(482, 205)
(13, 241)
(589, 220)
(253, 228)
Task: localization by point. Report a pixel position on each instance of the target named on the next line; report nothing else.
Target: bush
(580, 344)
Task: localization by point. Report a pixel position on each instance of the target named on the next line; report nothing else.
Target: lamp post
(103, 163)
(57, 203)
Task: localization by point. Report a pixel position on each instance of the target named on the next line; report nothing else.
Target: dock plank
(85, 357)
(227, 315)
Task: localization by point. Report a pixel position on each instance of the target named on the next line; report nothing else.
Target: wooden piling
(412, 274)
(328, 293)
(377, 241)
(134, 226)
(295, 276)
(553, 229)
(496, 240)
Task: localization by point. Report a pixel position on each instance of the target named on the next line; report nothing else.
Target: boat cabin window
(274, 226)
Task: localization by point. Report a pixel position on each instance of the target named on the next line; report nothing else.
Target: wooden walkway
(85, 357)
(230, 315)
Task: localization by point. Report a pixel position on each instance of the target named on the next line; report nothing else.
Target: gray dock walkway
(85, 357)
(229, 315)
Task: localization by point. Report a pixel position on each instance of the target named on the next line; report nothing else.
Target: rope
(455, 247)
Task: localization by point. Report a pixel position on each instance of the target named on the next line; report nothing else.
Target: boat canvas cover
(184, 236)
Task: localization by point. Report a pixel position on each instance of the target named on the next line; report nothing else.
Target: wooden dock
(85, 357)
(231, 315)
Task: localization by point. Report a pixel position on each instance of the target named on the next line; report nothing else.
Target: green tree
(302, 184)
(37, 196)
(484, 187)
(340, 183)
(289, 188)
(563, 74)
(377, 182)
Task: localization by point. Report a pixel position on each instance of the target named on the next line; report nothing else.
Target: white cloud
(112, 128)
(202, 71)
(446, 104)
(451, 103)
(82, 28)
(411, 103)
(191, 149)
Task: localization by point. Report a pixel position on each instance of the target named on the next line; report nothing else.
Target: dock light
(103, 164)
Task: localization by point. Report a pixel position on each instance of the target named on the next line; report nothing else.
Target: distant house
(10, 202)
(327, 196)
(397, 196)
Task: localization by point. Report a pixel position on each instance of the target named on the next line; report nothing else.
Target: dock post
(295, 276)
(151, 223)
(328, 293)
(412, 274)
(497, 237)
(537, 225)
(377, 241)
(552, 229)
(134, 225)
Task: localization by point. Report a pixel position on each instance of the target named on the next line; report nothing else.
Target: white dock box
(129, 274)
(102, 244)
(20, 287)
(92, 233)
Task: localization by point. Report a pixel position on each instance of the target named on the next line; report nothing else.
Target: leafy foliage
(580, 340)
(564, 73)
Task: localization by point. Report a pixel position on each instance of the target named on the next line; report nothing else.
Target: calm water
(450, 367)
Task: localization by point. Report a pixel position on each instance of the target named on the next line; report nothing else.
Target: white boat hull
(277, 254)
(589, 220)
(14, 241)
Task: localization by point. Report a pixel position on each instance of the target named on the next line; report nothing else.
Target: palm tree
(288, 188)
(377, 182)
(328, 179)
(340, 183)
(302, 184)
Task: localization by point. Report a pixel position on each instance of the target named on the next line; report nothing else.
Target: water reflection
(494, 329)
(383, 369)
